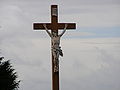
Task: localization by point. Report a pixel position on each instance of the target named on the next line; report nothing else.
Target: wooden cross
(54, 26)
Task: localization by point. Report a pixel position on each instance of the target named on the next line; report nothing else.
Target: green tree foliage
(8, 76)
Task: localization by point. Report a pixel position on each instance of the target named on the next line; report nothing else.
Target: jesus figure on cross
(56, 49)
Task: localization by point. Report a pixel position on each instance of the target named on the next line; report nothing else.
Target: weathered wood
(39, 26)
(54, 28)
(69, 25)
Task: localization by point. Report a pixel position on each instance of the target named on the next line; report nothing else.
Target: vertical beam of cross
(54, 29)
(54, 26)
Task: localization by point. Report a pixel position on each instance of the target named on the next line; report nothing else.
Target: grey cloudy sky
(91, 53)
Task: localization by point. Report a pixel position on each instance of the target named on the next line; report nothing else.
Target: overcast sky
(91, 52)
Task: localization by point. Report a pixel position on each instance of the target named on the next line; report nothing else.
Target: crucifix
(55, 41)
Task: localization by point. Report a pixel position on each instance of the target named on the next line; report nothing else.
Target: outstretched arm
(63, 30)
(47, 30)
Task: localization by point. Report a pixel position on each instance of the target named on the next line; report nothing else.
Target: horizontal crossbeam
(39, 26)
(69, 25)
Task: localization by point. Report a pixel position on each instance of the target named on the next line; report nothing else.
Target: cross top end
(54, 6)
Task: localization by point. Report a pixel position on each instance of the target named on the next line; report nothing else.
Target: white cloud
(86, 14)
(85, 63)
